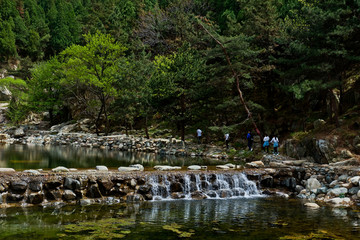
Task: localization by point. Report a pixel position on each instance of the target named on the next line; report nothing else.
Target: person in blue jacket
(250, 140)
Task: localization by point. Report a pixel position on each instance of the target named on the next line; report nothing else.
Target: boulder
(35, 186)
(337, 191)
(277, 165)
(312, 184)
(194, 167)
(340, 202)
(35, 198)
(166, 168)
(255, 164)
(138, 166)
(69, 195)
(70, 183)
(93, 191)
(60, 169)
(102, 168)
(134, 198)
(312, 205)
(19, 186)
(318, 123)
(354, 190)
(294, 162)
(85, 202)
(355, 180)
(14, 198)
(346, 154)
(19, 132)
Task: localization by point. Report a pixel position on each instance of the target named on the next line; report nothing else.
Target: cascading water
(221, 185)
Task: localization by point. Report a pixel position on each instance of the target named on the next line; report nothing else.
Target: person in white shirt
(266, 143)
(199, 133)
(275, 142)
(227, 136)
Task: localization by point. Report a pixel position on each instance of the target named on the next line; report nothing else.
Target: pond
(22, 157)
(241, 218)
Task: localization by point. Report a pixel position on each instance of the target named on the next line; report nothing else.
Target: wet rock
(144, 189)
(343, 178)
(334, 183)
(134, 198)
(53, 195)
(70, 183)
(267, 181)
(14, 198)
(211, 194)
(60, 169)
(198, 195)
(3, 187)
(337, 191)
(312, 184)
(93, 191)
(35, 198)
(102, 168)
(312, 205)
(35, 186)
(18, 186)
(322, 190)
(194, 167)
(166, 168)
(69, 195)
(289, 183)
(51, 185)
(176, 187)
(177, 195)
(86, 202)
(138, 166)
(7, 170)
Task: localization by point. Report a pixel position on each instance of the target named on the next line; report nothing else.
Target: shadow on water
(34, 157)
(244, 218)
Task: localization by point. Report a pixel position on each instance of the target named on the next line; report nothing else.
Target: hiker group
(250, 139)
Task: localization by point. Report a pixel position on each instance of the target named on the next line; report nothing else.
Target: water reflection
(35, 156)
(257, 218)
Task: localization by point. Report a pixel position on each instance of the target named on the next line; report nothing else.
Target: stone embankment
(323, 184)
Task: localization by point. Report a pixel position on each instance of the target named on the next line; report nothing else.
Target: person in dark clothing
(249, 138)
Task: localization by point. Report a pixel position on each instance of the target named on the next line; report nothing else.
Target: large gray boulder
(19, 132)
(338, 191)
(312, 184)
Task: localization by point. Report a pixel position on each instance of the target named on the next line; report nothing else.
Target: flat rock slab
(194, 167)
(128, 169)
(312, 205)
(60, 169)
(7, 170)
(102, 168)
(34, 172)
(166, 168)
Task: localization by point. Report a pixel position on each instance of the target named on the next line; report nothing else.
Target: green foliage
(18, 109)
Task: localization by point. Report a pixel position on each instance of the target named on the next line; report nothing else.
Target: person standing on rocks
(199, 133)
(266, 143)
(275, 142)
(250, 140)
(227, 136)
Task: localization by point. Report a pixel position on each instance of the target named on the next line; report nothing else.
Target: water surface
(22, 157)
(242, 218)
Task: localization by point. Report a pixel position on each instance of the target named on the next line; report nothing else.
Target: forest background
(131, 64)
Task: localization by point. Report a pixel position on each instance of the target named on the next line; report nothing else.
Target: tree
(45, 90)
(175, 84)
(89, 73)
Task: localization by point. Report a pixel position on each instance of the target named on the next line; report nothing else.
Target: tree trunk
(334, 108)
(146, 127)
(182, 121)
(98, 119)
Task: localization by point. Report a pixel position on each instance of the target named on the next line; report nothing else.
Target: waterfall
(200, 186)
